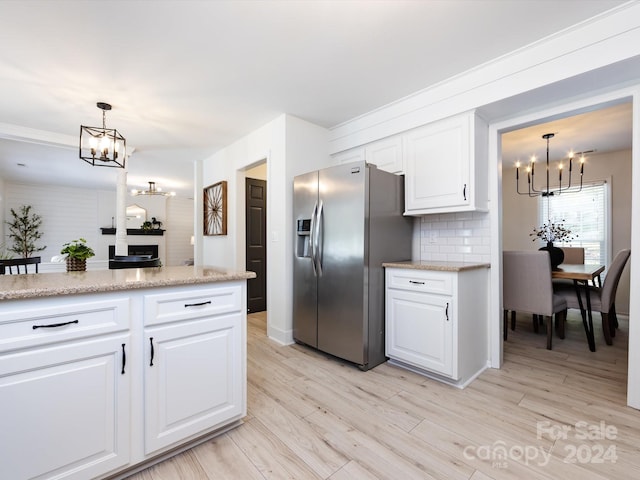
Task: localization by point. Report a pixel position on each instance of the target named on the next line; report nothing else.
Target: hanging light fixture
(533, 191)
(153, 190)
(102, 147)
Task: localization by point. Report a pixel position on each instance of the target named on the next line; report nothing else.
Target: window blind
(585, 213)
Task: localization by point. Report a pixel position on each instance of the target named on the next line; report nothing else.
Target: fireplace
(136, 250)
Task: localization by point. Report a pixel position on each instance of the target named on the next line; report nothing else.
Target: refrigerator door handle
(312, 246)
(318, 240)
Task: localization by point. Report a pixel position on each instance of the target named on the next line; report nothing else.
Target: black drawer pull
(446, 312)
(196, 304)
(55, 325)
(416, 283)
(124, 359)
(152, 352)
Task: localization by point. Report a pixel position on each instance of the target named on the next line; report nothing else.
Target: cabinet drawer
(176, 306)
(22, 328)
(420, 281)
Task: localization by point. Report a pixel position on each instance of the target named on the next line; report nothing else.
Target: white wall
(70, 213)
(2, 214)
(290, 146)
(179, 226)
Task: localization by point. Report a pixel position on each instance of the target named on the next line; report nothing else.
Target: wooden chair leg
(561, 318)
(547, 319)
(613, 320)
(606, 328)
(513, 319)
(535, 323)
(505, 321)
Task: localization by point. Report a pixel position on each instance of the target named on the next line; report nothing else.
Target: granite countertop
(51, 284)
(437, 266)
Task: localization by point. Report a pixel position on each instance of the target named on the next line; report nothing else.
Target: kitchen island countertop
(13, 287)
(436, 265)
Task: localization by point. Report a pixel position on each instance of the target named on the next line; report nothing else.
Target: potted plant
(24, 230)
(553, 232)
(77, 252)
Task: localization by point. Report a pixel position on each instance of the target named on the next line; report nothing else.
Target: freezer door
(342, 315)
(305, 292)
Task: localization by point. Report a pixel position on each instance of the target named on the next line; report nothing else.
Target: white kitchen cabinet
(194, 364)
(355, 154)
(436, 322)
(419, 330)
(446, 166)
(386, 154)
(79, 395)
(65, 404)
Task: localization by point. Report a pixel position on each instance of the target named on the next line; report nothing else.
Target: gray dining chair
(527, 288)
(602, 299)
(573, 255)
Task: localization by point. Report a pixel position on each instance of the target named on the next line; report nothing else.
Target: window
(586, 214)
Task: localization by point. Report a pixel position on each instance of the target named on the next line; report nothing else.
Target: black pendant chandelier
(102, 147)
(534, 191)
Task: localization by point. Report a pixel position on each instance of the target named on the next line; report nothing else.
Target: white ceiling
(187, 78)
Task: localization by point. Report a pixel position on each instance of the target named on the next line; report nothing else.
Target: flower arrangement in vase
(553, 232)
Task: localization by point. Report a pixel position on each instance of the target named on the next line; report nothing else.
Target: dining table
(582, 274)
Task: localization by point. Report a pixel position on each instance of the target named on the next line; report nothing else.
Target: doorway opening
(592, 128)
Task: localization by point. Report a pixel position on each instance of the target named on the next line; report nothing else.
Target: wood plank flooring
(545, 414)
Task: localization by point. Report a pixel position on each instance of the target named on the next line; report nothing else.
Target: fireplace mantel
(133, 231)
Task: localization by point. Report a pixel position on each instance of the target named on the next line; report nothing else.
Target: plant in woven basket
(77, 252)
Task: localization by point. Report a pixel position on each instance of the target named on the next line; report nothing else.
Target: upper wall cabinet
(352, 155)
(386, 154)
(446, 166)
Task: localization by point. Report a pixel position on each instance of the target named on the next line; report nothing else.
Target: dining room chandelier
(102, 146)
(547, 191)
(152, 190)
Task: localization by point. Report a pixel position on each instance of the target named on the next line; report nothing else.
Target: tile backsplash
(455, 237)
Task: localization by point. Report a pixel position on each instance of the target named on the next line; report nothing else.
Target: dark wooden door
(256, 215)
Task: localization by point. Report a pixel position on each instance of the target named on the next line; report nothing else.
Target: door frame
(495, 187)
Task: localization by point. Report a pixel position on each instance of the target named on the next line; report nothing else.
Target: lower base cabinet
(98, 385)
(436, 322)
(420, 330)
(65, 410)
(193, 379)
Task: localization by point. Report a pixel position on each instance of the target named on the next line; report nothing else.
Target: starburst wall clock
(215, 209)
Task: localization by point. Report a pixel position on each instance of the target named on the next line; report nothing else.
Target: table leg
(587, 317)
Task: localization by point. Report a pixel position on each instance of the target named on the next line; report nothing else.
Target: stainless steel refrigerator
(348, 221)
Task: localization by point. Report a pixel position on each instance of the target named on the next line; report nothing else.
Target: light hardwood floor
(545, 414)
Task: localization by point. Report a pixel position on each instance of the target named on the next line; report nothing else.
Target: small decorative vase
(555, 253)
(76, 265)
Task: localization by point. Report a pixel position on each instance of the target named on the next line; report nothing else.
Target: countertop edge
(75, 288)
(436, 266)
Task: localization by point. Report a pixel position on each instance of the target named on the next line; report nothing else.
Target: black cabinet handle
(416, 283)
(55, 325)
(464, 192)
(152, 352)
(124, 359)
(446, 311)
(196, 304)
